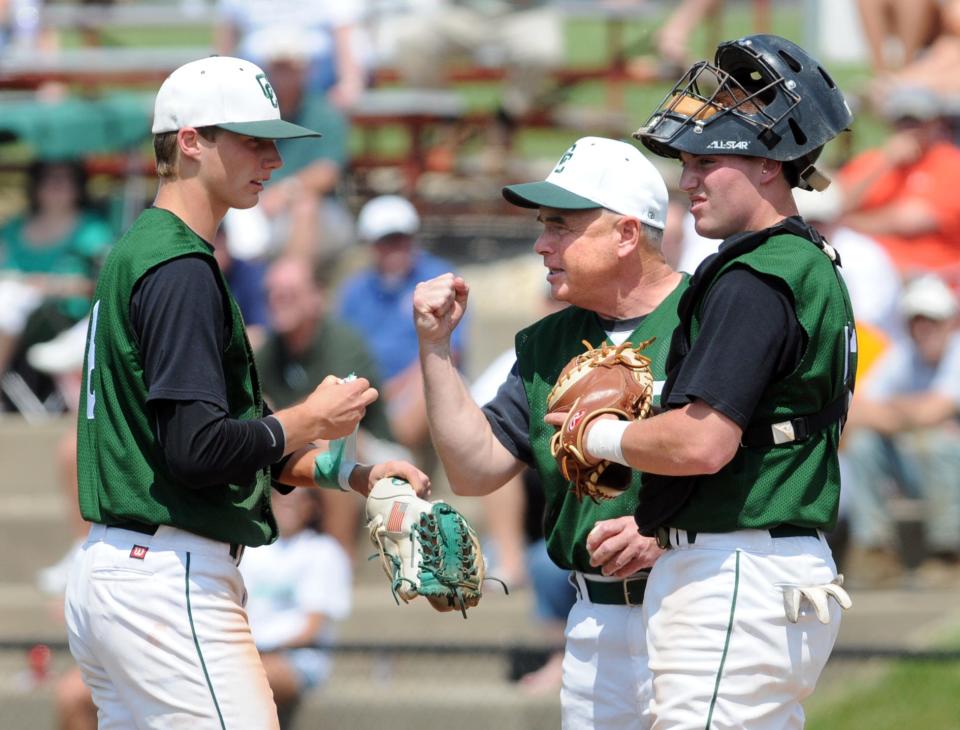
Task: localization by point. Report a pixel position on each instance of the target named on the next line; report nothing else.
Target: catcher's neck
(644, 295)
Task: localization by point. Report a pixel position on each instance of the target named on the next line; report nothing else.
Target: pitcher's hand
(336, 406)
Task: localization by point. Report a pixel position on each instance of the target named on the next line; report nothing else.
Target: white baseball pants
(606, 682)
(158, 628)
(722, 652)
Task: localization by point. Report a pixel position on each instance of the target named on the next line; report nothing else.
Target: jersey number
(91, 359)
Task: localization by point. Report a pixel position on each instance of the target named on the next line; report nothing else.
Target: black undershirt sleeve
(509, 416)
(749, 337)
(277, 467)
(204, 446)
(177, 313)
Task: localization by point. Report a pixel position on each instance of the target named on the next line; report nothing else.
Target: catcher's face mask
(762, 97)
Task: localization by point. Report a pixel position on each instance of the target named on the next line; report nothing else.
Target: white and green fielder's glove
(427, 548)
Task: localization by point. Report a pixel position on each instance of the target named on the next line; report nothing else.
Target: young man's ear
(769, 169)
(188, 142)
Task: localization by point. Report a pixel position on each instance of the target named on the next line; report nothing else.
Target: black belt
(236, 548)
(663, 534)
(627, 592)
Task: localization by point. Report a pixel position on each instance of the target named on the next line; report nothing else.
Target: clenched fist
(438, 306)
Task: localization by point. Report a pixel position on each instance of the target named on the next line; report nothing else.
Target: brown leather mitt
(603, 379)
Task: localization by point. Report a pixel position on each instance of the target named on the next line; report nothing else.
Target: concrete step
(412, 705)
(25, 612)
(33, 542)
(407, 705)
(498, 618)
(351, 665)
(28, 453)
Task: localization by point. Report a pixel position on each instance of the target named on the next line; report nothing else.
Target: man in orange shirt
(904, 194)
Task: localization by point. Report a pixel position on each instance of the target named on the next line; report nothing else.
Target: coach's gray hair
(654, 236)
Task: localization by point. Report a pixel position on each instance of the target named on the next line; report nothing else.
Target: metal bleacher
(103, 62)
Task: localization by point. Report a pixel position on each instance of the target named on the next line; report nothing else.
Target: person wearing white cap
(904, 441)
(376, 302)
(603, 210)
(177, 452)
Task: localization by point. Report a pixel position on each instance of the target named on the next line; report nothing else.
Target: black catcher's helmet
(762, 97)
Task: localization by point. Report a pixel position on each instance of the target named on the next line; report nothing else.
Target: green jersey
(795, 482)
(122, 473)
(542, 351)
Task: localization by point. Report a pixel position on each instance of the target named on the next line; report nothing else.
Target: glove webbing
(436, 561)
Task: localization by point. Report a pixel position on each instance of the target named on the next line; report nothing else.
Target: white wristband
(604, 440)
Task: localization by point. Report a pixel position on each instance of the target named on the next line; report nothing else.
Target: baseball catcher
(602, 380)
(427, 548)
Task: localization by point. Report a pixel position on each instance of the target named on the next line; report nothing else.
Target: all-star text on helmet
(763, 96)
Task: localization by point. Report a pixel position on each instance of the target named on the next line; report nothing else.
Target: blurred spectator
(868, 272)
(304, 346)
(424, 38)
(21, 28)
(672, 55)
(930, 39)
(913, 26)
(74, 703)
(333, 64)
(902, 194)
(245, 278)
(49, 258)
(903, 429)
(378, 303)
(297, 589)
(299, 210)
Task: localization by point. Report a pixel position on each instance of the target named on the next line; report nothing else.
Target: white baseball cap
(599, 173)
(386, 215)
(225, 92)
(928, 296)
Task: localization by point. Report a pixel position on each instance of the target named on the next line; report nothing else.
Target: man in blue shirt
(378, 300)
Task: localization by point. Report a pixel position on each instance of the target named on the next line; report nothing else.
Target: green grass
(912, 695)
(907, 695)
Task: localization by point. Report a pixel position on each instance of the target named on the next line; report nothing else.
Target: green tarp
(74, 127)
